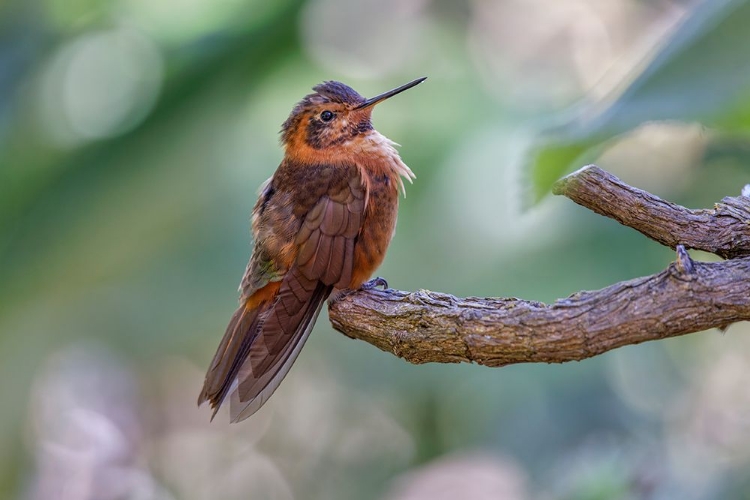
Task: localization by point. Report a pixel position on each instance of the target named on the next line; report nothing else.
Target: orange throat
(372, 152)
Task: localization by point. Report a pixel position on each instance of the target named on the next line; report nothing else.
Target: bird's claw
(374, 283)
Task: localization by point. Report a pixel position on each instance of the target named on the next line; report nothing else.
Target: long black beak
(372, 101)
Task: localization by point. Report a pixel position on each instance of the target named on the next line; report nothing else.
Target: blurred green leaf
(700, 73)
(553, 160)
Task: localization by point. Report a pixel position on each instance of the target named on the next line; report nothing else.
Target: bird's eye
(326, 116)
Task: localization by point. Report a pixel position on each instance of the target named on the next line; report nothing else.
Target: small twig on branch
(687, 297)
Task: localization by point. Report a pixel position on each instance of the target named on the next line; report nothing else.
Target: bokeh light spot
(101, 85)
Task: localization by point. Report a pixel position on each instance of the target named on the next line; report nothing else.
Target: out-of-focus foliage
(699, 73)
(134, 134)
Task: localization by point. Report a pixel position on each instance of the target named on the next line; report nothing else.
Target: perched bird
(321, 224)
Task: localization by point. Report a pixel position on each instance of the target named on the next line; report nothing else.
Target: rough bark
(723, 230)
(687, 297)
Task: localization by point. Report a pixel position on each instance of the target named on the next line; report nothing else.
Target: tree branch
(724, 230)
(687, 297)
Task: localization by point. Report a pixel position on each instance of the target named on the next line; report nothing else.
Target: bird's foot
(374, 283)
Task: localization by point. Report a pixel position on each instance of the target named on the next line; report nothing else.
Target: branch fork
(686, 297)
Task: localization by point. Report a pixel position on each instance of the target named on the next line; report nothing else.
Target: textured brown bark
(723, 230)
(687, 297)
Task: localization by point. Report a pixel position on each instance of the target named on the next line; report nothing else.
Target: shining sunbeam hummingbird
(321, 225)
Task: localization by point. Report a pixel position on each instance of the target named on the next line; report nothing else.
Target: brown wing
(274, 230)
(273, 220)
(324, 260)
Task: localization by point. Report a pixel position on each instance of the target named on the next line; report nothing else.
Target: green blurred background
(133, 137)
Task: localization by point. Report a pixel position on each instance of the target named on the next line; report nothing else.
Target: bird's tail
(261, 343)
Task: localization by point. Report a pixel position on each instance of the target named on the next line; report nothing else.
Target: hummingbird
(321, 226)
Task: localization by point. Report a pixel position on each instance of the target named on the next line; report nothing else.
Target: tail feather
(261, 375)
(261, 344)
(228, 356)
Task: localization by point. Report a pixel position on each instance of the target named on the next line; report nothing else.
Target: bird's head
(332, 118)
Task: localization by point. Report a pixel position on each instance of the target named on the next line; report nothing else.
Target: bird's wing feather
(324, 259)
(264, 267)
